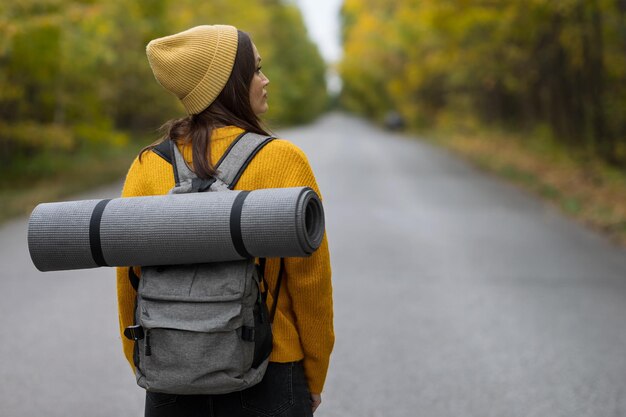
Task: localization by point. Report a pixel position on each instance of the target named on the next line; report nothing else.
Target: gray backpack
(203, 328)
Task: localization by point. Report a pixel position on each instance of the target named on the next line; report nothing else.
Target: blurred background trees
(554, 67)
(74, 77)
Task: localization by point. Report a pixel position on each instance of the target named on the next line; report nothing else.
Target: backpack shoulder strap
(230, 167)
(164, 151)
(238, 156)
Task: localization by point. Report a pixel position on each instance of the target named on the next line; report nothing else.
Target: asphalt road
(456, 295)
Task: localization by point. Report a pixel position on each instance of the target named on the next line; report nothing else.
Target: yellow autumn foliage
(525, 65)
(75, 71)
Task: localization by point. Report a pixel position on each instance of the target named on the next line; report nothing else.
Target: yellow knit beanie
(195, 64)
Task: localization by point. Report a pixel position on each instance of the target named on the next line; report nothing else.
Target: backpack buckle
(201, 185)
(134, 332)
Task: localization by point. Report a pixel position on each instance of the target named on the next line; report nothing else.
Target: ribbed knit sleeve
(308, 280)
(309, 284)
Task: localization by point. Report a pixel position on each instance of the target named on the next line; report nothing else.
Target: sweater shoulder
(278, 164)
(284, 145)
(284, 151)
(149, 174)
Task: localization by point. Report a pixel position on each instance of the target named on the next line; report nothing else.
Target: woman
(215, 71)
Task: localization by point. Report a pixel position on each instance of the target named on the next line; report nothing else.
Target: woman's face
(258, 95)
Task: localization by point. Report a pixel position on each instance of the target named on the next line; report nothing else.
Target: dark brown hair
(230, 108)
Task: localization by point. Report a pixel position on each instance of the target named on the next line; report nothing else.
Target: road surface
(456, 295)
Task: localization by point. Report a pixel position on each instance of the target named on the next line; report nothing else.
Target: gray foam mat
(175, 229)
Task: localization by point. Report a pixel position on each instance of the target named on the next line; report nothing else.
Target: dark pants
(283, 392)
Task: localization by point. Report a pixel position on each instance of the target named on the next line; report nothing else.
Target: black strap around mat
(94, 233)
(235, 225)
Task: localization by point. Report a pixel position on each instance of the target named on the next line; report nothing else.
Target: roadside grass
(53, 178)
(586, 189)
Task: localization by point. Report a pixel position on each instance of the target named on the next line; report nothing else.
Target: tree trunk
(594, 69)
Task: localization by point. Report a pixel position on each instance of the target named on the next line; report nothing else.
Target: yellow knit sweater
(303, 325)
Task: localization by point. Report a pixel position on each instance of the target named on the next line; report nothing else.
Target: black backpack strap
(262, 263)
(133, 278)
(164, 151)
(281, 271)
(176, 159)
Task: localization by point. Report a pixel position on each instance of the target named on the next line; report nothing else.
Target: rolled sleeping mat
(176, 229)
